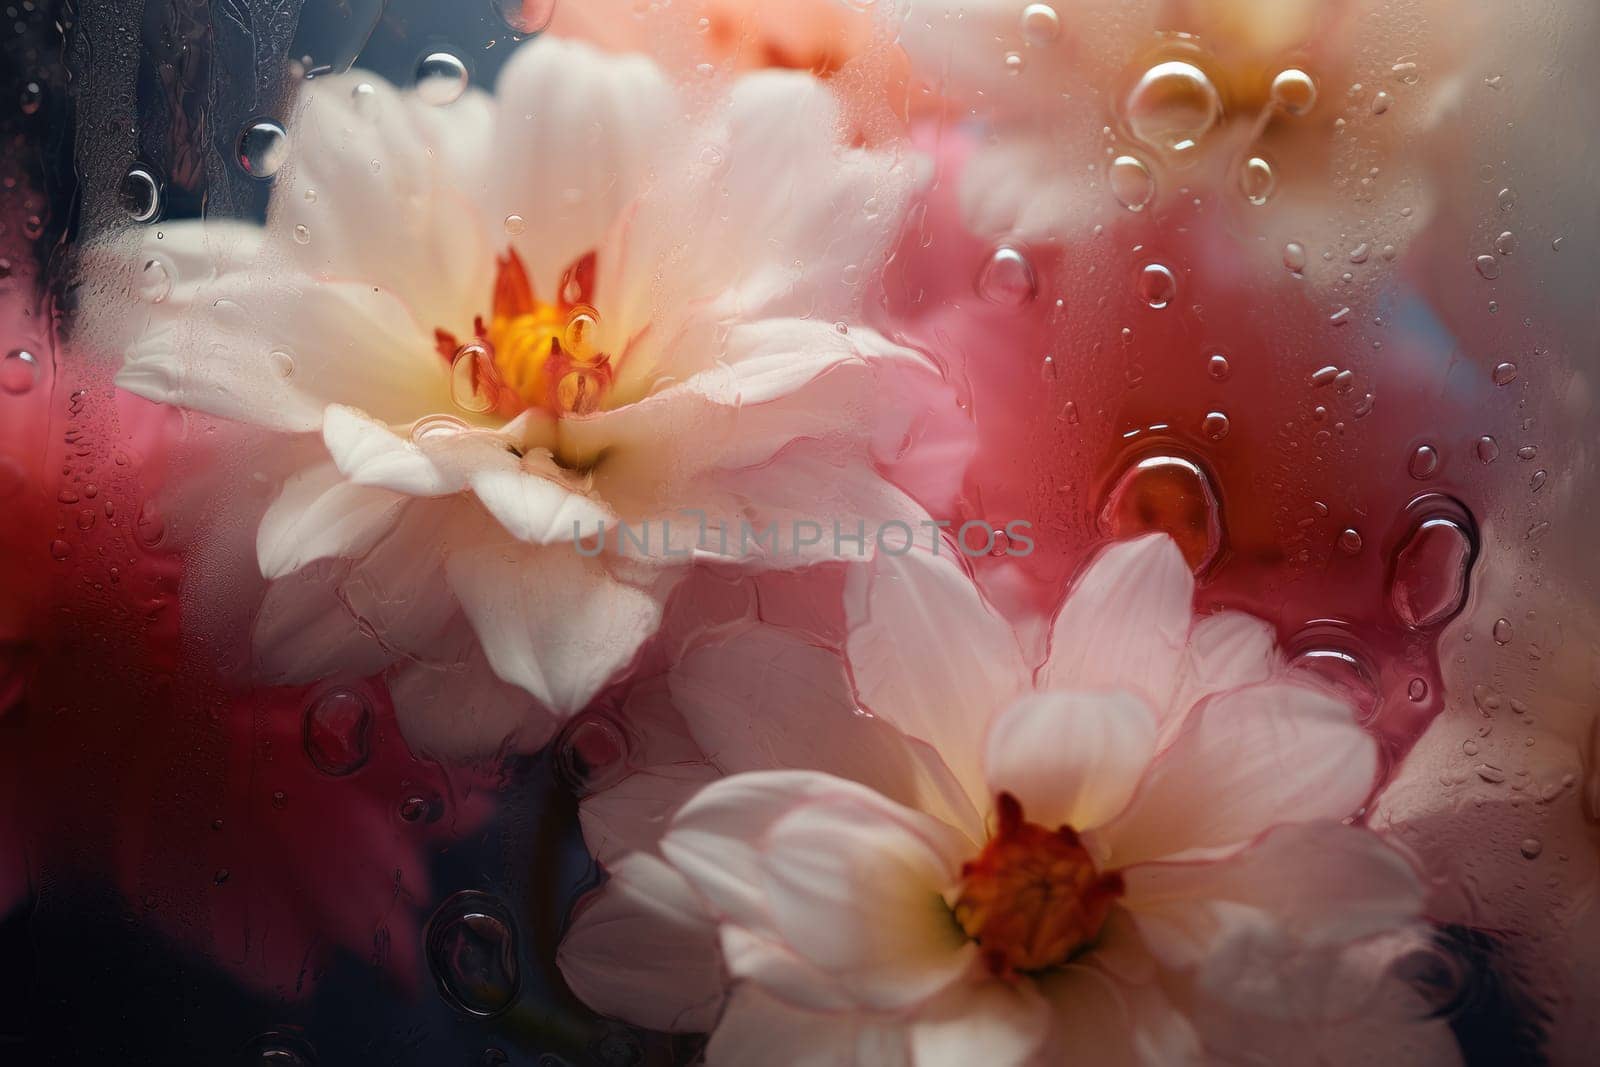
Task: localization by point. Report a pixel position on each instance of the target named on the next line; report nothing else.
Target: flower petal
(1319, 883)
(1101, 1020)
(1125, 622)
(1244, 761)
(369, 453)
(537, 501)
(1072, 758)
(755, 1024)
(931, 657)
(555, 623)
(319, 515)
(1226, 650)
(461, 711)
(988, 1022)
(643, 949)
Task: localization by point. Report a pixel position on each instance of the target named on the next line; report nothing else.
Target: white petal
(1245, 761)
(1226, 650)
(762, 698)
(1319, 883)
(644, 950)
(1125, 622)
(754, 1025)
(369, 453)
(319, 514)
(551, 621)
(1019, 188)
(461, 712)
(988, 1022)
(860, 894)
(1072, 758)
(1101, 1020)
(536, 502)
(931, 657)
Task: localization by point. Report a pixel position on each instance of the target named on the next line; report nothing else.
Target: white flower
(1129, 855)
(511, 320)
(1295, 120)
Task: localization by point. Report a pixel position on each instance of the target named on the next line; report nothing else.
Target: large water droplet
(1294, 92)
(592, 753)
(441, 78)
(1172, 106)
(1168, 493)
(1007, 278)
(140, 194)
(337, 732)
(1328, 651)
(1040, 24)
(1429, 582)
(19, 371)
(472, 950)
(1131, 182)
(1157, 286)
(472, 378)
(526, 17)
(263, 148)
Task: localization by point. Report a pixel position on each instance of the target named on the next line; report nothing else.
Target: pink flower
(1130, 851)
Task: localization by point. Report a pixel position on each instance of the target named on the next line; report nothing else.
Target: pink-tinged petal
(304, 632)
(1244, 761)
(1226, 650)
(1320, 883)
(460, 711)
(781, 972)
(320, 515)
(1125, 622)
(538, 502)
(929, 656)
(755, 1026)
(607, 120)
(1016, 188)
(1072, 758)
(551, 621)
(763, 698)
(716, 838)
(988, 1022)
(367, 452)
(1101, 1020)
(858, 892)
(643, 949)
(389, 191)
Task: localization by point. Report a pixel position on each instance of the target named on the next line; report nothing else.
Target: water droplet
(1506, 243)
(1015, 62)
(1504, 373)
(140, 194)
(1417, 690)
(583, 326)
(337, 732)
(302, 235)
(1340, 317)
(60, 549)
(1502, 631)
(1429, 583)
(1488, 266)
(526, 17)
(422, 807)
(1294, 256)
(282, 363)
(1157, 286)
(1324, 376)
(155, 281)
(1172, 106)
(515, 224)
(364, 98)
(1487, 449)
(31, 98)
(472, 378)
(1257, 180)
(1350, 541)
(1217, 366)
(1215, 425)
(441, 78)
(431, 426)
(1424, 463)
(1131, 182)
(592, 753)
(1531, 847)
(1536, 482)
(472, 951)
(1382, 102)
(1294, 92)
(1327, 652)
(1007, 278)
(278, 1048)
(19, 371)
(1506, 198)
(1171, 494)
(1040, 24)
(263, 148)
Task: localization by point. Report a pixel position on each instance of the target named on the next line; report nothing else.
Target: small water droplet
(1488, 266)
(1382, 102)
(441, 78)
(337, 732)
(515, 224)
(282, 363)
(1504, 373)
(1007, 278)
(140, 194)
(1359, 253)
(302, 235)
(591, 753)
(1215, 425)
(155, 281)
(31, 98)
(1506, 243)
(472, 378)
(1294, 256)
(1217, 366)
(19, 371)
(1131, 182)
(1417, 690)
(60, 549)
(1172, 106)
(1502, 631)
(431, 426)
(472, 950)
(1429, 583)
(1040, 24)
(278, 1048)
(1536, 482)
(263, 148)
(1015, 62)
(1506, 198)
(1293, 91)
(1257, 180)
(1531, 847)
(1157, 286)
(1324, 376)
(526, 17)
(1424, 463)
(1487, 449)
(421, 807)
(1350, 541)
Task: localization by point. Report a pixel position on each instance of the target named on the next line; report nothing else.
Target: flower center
(532, 353)
(1033, 898)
